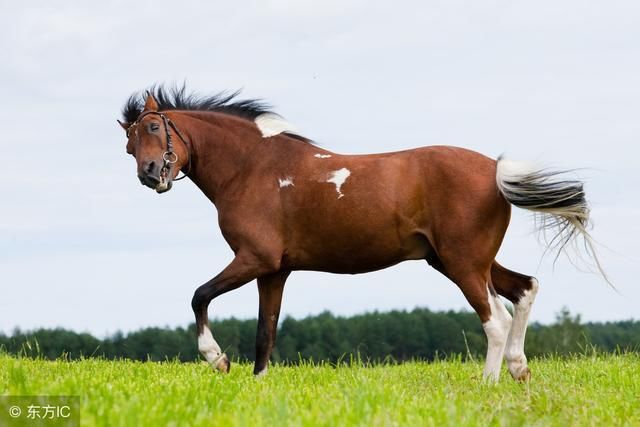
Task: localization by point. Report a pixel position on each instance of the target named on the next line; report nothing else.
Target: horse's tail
(559, 203)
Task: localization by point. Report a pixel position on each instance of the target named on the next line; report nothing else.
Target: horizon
(463, 310)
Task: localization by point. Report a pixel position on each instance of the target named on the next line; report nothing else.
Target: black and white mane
(177, 98)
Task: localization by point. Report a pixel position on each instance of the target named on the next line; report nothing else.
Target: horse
(285, 204)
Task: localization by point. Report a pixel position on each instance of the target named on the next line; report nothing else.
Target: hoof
(260, 374)
(524, 376)
(223, 364)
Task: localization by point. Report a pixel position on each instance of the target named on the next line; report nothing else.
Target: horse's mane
(177, 98)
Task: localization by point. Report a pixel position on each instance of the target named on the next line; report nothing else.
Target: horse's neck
(226, 148)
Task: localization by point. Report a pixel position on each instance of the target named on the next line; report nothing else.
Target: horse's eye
(154, 127)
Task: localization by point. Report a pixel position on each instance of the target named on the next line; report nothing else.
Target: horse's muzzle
(150, 181)
(163, 186)
(156, 177)
(158, 183)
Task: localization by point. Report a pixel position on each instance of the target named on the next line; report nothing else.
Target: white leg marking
(285, 182)
(516, 359)
(338, 178)
(322, 156)
(496, 329)
(209, 348)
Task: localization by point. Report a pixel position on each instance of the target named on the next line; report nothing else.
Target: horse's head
(150, 142)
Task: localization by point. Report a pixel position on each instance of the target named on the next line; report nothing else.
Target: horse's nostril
(151, 167)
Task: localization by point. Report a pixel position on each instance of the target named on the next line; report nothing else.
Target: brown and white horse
(285, 204)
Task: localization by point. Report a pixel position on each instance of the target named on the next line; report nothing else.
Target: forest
(395, 336)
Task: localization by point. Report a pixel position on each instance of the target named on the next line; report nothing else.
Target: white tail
(558, 201)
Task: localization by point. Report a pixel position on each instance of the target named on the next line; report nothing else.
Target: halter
(169, 157)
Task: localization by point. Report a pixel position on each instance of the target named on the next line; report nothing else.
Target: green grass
(599, 390)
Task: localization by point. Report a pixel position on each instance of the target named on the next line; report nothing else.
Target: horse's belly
(356, 253)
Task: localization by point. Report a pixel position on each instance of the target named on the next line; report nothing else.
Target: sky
(84, 246)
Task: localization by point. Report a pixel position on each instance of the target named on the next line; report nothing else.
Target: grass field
(599, 390)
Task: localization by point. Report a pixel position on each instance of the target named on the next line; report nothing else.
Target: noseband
(169, 157)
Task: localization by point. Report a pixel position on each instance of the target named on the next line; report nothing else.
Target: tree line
(394, 336)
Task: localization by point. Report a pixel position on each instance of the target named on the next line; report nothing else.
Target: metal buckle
(167, 157)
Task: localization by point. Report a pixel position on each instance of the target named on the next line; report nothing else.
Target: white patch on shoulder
(285, 182)
(271, 124)
(338, 178)
(322, 156)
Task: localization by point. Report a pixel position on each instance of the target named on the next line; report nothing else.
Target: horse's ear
(150, 103)
(125, 126)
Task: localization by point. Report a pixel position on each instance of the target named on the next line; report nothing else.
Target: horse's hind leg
(496, 320)
(521, 290)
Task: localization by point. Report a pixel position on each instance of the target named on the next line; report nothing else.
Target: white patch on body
(338, 178)
(271, 124)
(514, 353)
(322, 156)
(209, 348)
(285, 182)
(497, 331)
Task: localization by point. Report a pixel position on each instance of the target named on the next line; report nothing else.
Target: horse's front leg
(243, 269)
(270, 288)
